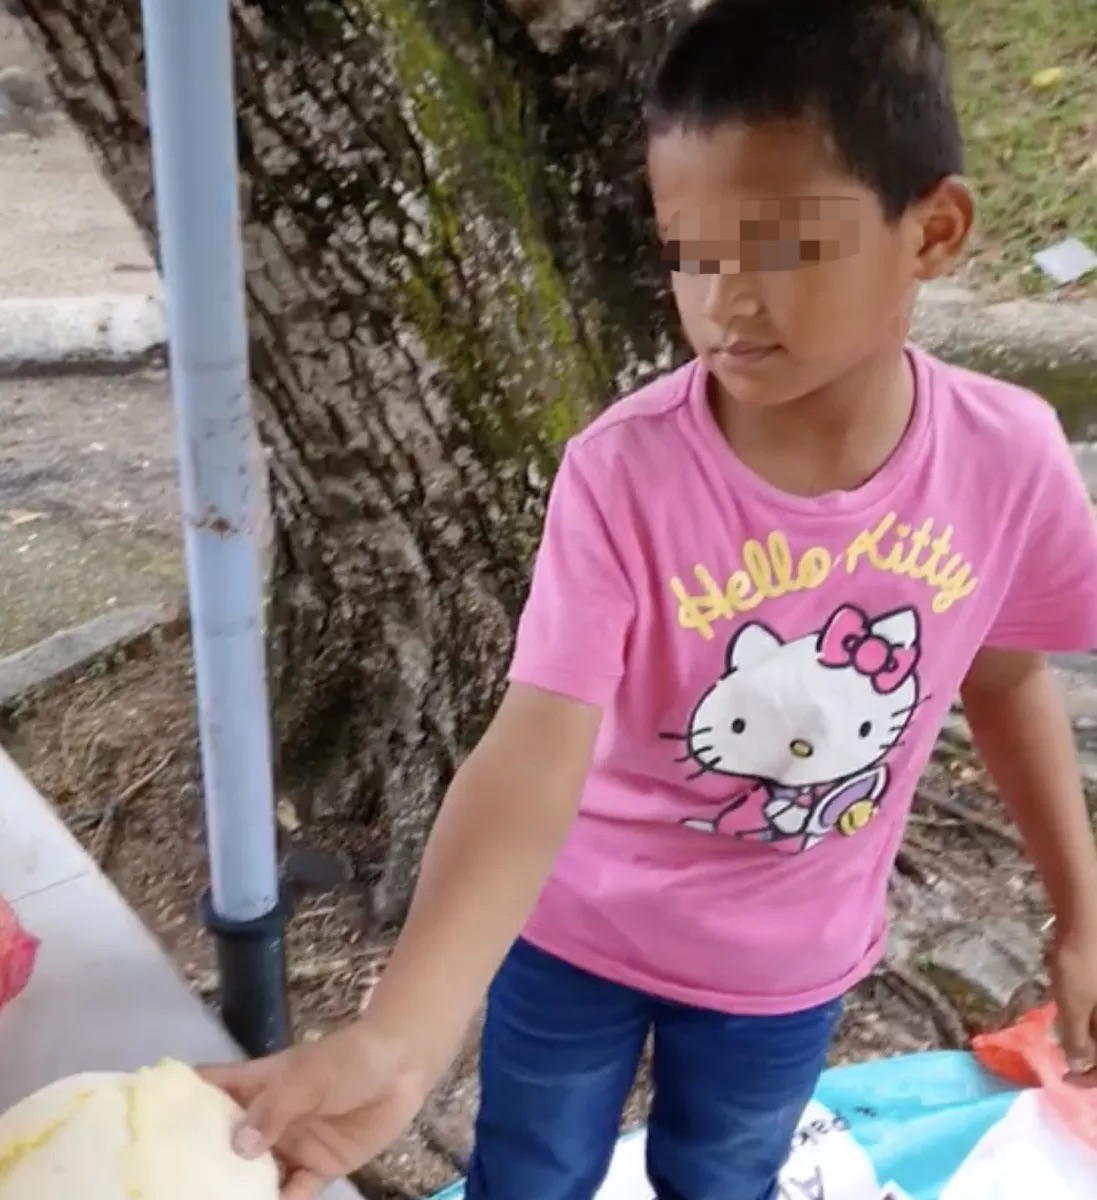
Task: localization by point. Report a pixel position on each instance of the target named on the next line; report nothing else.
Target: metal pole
(188, 49)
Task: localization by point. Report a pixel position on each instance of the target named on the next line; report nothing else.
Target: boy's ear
(946, 217)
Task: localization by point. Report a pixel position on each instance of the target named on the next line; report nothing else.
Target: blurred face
(786, 274)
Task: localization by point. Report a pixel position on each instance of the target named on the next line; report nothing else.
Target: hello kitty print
(805, 726)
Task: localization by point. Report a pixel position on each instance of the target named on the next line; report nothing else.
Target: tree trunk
(450, 267)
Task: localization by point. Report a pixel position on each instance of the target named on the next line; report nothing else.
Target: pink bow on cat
(849, 641)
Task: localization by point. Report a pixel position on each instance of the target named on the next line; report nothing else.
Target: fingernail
(248, 1142)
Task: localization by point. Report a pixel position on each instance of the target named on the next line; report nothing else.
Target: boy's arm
(492, 847)
(327, 1107)
(1021, 730)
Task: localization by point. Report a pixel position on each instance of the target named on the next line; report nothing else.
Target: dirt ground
(116, 752)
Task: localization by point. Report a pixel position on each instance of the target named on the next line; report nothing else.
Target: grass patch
(1032, 151)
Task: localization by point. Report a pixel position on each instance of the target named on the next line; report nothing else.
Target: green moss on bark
(487, 183)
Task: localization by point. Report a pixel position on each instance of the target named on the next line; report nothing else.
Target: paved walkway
(62, 231)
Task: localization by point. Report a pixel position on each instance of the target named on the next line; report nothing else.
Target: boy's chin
(755, 391)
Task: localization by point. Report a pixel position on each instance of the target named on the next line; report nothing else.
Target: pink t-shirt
(774, 670)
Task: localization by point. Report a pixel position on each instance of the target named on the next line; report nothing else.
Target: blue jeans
(560, 1054)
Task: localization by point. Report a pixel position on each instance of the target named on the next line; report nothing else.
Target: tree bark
(449, 268)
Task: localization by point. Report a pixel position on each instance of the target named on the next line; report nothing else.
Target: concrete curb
(113, 332)
(63, 654)
(104, 332)
(959, 324)
(120, 331)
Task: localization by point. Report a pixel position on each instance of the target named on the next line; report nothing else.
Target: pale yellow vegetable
(159, 1134)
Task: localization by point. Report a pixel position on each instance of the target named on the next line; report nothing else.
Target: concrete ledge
(108, 332)
(62, 654)
(959, 324)
(105, 332)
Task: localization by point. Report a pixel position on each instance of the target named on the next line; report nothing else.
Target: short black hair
(873, 73)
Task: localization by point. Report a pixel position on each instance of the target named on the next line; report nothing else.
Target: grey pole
(188, 48)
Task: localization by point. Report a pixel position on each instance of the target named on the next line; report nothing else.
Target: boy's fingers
(242, 1081)
(1076, 1036)
(222, 1075)
(271, 1101)
(302, 1185)
(278, 1106)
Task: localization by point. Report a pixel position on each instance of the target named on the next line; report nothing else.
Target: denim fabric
(560, 1052)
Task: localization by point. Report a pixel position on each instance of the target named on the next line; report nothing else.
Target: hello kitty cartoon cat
(807, 724)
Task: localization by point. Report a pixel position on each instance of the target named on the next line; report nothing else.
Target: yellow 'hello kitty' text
(771, 570)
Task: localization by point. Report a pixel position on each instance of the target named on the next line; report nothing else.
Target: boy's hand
(1072, 962)
(324, 1108)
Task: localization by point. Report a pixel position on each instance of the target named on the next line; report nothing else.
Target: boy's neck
(832, 440)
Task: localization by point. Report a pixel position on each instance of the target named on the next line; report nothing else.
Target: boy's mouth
(743, 353)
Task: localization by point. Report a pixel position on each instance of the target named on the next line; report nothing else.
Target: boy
(763, 579)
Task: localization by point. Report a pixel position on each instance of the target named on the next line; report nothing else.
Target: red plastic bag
(1028, 1054)
(18, 952)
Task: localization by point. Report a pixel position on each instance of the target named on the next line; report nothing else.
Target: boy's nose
(801, 748)
(729, 297)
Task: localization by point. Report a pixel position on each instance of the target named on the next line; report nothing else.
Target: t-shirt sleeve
(1050, 603)
(574, 629)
